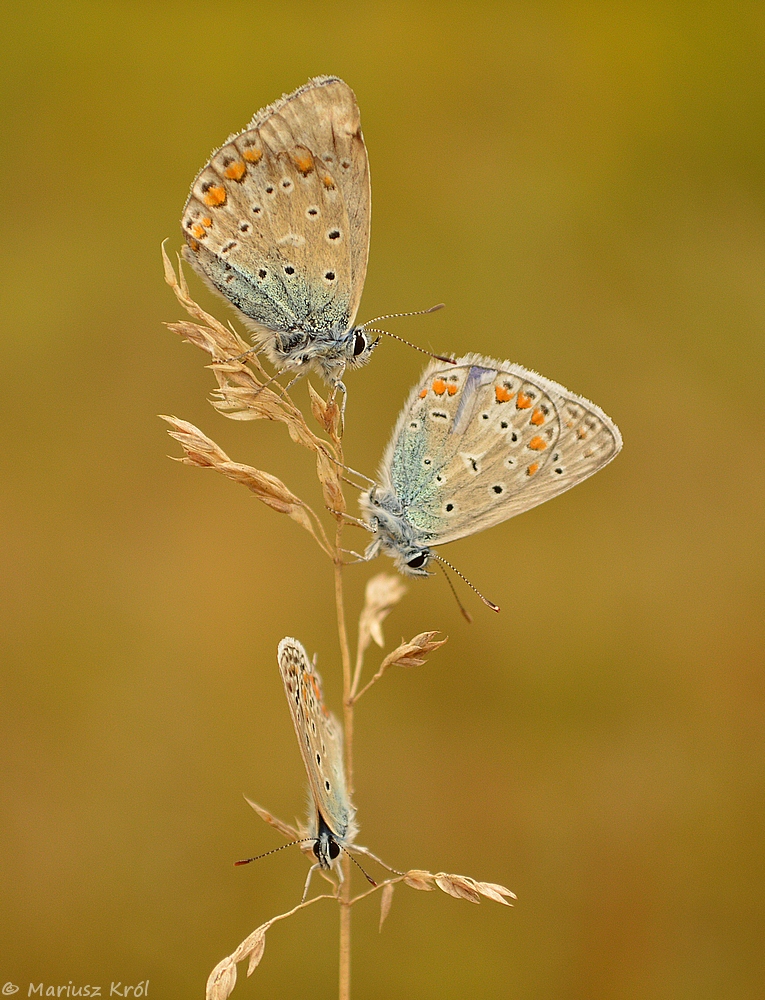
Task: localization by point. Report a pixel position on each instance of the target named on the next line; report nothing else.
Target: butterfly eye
(334, 850)
(418, 562)
(359, 344)
(315, 848)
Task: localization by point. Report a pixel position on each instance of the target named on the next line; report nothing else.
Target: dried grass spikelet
(205, 454)
(383, 592)
(329, 471)
(386, 899)
(326, 412)
(459, 886)
(328, 467)
(242, 395)
(222, 979)
(413, 653)
(219, 341)
(409, 654)
(286, 829)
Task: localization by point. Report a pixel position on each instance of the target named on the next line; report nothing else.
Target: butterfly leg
(291, 382)
(373, 549)
(368, 854)
(352, 520)
(339, 384)
(358, 558)
(279, 386)
(311, 870)
(361, 475)
(254, 351)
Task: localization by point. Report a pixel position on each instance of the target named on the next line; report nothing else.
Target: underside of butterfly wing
(482, 441)
(320, 740)
(278, 223)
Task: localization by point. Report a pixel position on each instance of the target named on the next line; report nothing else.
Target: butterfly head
(329, 356)
(413, 561)
(325, 848)
(360, 346)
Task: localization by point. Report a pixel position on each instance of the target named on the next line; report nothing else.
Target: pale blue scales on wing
(475, 444)
(277, 222)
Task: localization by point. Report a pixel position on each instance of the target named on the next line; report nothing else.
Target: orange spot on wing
(523, 402)
(253, 155)
(198, 231)
(328, 183)
(537, 444)
(423, 393)
(207, 221)
(194, 246)
(303, 162)
(451, 388)
(532, 468)
(537, 417)
(215, 196)
(502, 394)
(439, 387)
(235, 171)
(581, 433)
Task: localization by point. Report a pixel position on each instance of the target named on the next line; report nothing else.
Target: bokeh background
(583, 185)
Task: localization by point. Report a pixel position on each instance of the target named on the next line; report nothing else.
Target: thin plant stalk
(344, 976)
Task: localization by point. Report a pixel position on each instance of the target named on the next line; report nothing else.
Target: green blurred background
(583, 185)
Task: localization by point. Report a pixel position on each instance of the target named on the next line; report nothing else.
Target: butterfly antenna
(486, 601)
(366, 876)
(415, 347)
(305, 840)
(416, 312)
(465, 613)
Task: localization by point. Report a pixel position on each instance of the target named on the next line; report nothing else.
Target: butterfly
(331, 822)
(278, 223)
(475, 444)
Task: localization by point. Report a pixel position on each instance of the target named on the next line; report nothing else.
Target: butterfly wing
(481, 441)
(278, 220)
(319, 737)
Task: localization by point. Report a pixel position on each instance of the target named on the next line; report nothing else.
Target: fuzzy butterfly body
(332, 817)
(278, 223)
(477, 443)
